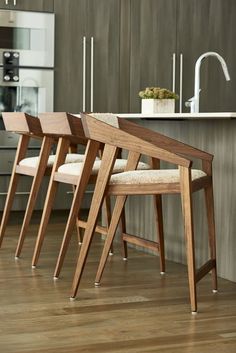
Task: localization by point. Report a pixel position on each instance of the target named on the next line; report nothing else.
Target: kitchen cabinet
(152, 45)
(70, 29)
(166, 39)
(208, 25)
(87, 65)
(28, 5)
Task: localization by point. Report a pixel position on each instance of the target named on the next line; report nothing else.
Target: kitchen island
(216, 134)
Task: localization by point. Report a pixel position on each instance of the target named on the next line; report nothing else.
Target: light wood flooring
(135, 310)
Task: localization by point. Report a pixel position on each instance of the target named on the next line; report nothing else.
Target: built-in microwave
(32, 93)
(30, 35)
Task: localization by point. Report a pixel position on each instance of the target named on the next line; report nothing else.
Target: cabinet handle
(14, 2)
(181, 83)
(92, 74)
(6, 2)
(84, 74)
(173, 71)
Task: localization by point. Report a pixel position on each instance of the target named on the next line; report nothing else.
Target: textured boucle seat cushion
(107, 118)
(152, 176)
(75, 168)
(33, 161)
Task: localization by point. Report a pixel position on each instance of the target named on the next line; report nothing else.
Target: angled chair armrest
(63, 124)
(105, 133)
(22, 123)
(163, 141)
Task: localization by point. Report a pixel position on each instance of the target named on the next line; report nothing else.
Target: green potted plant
(157, 100)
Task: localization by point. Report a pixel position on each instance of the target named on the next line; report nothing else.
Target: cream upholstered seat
(152, 176)
(28, 127)
(33, 161)
(75, 168)
(183, 180)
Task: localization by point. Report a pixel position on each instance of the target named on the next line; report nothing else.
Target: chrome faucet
(194, 101)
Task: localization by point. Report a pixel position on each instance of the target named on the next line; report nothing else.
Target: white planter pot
(155, 106)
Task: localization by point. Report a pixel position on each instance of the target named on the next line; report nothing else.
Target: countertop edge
(179, 116)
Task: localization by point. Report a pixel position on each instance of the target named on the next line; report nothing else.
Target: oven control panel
(11, 66)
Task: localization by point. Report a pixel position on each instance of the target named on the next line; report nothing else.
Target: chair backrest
(133, 137)
(22, 123)
(61, 124)
(98, 130)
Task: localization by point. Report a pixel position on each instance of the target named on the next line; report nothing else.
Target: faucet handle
(191, 104)
(188, 103)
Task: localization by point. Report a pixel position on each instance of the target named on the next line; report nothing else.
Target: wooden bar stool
(28, 127)
(55, 123)
(183, 180)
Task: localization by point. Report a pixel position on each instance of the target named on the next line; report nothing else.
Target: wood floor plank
(134, 311)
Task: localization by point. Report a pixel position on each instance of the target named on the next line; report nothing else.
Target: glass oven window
(22, 38)
(19, 99)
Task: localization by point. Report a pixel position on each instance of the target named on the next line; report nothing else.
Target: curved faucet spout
(195, 100)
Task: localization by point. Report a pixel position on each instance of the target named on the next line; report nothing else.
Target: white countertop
(179, 116)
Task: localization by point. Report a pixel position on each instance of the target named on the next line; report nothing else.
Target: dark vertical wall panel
(208, 25)
(153, 42)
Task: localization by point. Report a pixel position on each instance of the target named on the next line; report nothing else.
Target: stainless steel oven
(31, 93)
(26, 82)
(26, 61)
(30, 34)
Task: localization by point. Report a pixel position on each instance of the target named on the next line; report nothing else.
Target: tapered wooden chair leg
(211, 231)
(8, 204)
(107, 207)
(73, 149)
(27, 217)
(88, 235)
(98, 196)
(51, 193)
(74, 210)
(91, 152)
(123, 231)
(119, 205)
(44, 155)
(79, 234)
(159, 227)
(62, 149)
(20, 154)
(89, 231)
(186, 198)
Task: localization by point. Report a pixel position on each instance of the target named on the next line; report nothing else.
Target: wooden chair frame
(28, 127)
(64, 126)
(138, 140)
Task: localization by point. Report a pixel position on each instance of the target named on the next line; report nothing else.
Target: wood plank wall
(219, 138)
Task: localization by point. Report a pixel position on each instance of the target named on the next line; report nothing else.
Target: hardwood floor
(135, 310)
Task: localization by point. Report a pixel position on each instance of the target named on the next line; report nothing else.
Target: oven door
(30, 34)
(33, 93)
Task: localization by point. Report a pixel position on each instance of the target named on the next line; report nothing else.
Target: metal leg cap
(214, 290)
(110, 253)
(33, 266)
(80, 243)
(125, 259)
(162, 273)
(16, 257)
(194, 312)
(97, 284)
(72, 299)
(55, 278)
